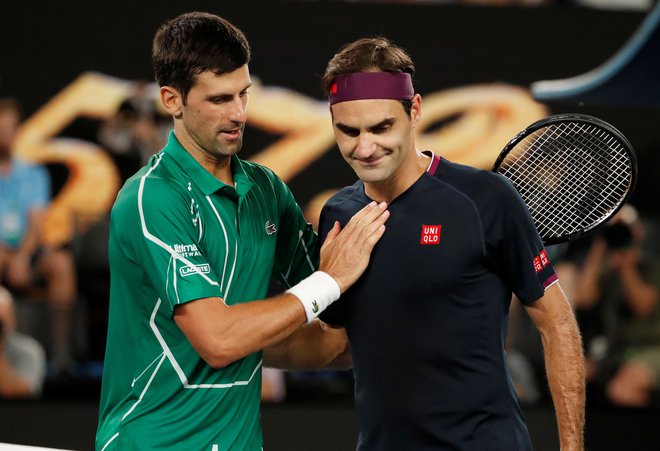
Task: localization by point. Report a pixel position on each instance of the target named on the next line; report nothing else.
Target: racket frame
(586, 119)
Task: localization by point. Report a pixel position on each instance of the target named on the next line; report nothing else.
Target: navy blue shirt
(427, 321)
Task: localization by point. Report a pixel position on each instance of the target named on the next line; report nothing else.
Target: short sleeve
(162, 235)
(40, 192)
(520, 253)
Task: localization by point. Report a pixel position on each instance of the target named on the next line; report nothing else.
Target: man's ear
(172, 101)
(416, 110)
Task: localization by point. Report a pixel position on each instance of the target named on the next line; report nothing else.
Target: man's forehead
(366, 113)
(237, 77)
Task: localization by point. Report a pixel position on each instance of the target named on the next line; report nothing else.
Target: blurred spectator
(24, 261)
(22, 358)
(135, 132)
(620, 286)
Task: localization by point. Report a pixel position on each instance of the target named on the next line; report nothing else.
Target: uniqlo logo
(430, 234)
(541, 261)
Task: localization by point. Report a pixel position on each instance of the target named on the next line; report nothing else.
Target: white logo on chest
(270, 228)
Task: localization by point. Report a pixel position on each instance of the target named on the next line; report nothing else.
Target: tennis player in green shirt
(195, 237)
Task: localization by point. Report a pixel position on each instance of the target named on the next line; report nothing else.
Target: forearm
(28, 246)
(641, 297)
(564, 362)
(587, 291)
(30, 241)
(253, 326)
(222, 334)
(565, 370)
(311, 347)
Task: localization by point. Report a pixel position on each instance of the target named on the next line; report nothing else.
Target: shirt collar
(435, 161)
(206, 182)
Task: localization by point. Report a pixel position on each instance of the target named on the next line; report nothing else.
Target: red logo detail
(430, 234)
(541, 261)
(333, 88)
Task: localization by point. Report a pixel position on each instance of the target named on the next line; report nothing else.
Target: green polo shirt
(178, 234)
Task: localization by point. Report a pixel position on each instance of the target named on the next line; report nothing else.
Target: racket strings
(591, 170)
(553, 168)
(551, 180)
(571, 175)
(556, 215)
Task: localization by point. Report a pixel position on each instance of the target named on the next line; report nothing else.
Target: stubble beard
(219, 149)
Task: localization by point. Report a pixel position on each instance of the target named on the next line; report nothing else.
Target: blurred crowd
(60, 294)
(612, 279)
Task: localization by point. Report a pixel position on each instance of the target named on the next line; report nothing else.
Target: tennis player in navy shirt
(427, 321)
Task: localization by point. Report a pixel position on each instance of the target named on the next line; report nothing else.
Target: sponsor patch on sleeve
(541, 261)
(190, 270)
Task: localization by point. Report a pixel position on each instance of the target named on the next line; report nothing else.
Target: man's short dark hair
(193, 43)
(368, 55)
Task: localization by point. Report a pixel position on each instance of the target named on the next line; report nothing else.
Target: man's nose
(238, 111)
(365, 146)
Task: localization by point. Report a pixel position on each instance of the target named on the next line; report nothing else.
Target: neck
(220, 168)
(403, 178)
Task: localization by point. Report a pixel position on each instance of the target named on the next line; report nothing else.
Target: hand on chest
(428, 244)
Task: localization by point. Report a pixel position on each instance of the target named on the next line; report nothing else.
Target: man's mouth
(232, 134)
(371, 161)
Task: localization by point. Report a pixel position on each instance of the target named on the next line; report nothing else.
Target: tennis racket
(573, 171)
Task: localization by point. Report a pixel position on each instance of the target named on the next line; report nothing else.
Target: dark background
(316, 425)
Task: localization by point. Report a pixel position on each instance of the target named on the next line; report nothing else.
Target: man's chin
(229, 149)
(370, 176)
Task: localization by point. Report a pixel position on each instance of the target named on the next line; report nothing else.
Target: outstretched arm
(564, 362)
(222, 334)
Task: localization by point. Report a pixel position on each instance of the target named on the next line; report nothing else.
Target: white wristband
(316, 292)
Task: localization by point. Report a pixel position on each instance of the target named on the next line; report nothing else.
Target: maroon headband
(371, 85)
